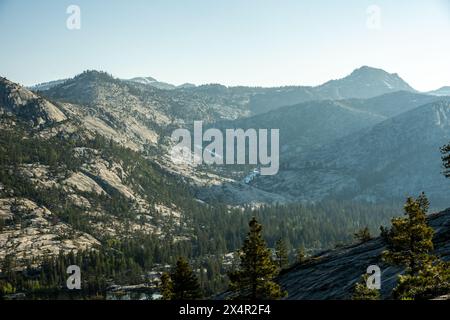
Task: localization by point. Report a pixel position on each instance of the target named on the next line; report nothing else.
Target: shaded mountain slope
(393, 104)
(333, 274)
(310, 124)
(389, 161)
(65, 186)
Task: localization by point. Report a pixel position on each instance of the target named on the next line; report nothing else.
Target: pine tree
(254, 277)
(301, 255)
(409, 245)
(166, 286)
(184, 282)
(363, 235)
(410, 238)
(431, 281)
(362, 292)
(281, 253)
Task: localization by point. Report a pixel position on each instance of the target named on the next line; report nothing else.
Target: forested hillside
(86, 179)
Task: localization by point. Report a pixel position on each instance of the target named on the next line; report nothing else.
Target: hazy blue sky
(248, 42)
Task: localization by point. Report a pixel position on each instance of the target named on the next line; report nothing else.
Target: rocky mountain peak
(443, 91)
(364, 82)
(94, 75)
(143, 80)
(27, 105)
(370, 71)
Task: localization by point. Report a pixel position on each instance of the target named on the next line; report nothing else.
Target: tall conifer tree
(410, 245)
(281, 253)
(185, 284)
(410, 238)
(254, 278)
(166, 287)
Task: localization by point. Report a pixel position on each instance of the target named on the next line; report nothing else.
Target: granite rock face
(34, 232)
(18, 100)
(333, 274)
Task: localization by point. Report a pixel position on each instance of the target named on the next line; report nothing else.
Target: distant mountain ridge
(326, 141)
(443, 91)
(150, 81)
(98, 137)
(389, 161)
(364, 82)
(46, 85)
(311, 124)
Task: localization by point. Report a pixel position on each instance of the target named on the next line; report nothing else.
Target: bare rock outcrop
(32, 232)
(333, 274)
(27, 105)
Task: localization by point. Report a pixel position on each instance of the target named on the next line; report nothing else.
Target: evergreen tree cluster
(410, 246)
(253, 280)
(181, 283)
(290, 231)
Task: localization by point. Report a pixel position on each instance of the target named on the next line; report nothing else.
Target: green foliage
(211, 230)
(6, 288)
(410, 239)
(363, 235)
(362, 292)
(254, 278)
(185, 285)
(166, 288)
(17, 148)
(98, 268)
(315, 226)
(281, 253)
(301, 255)
(410, 245)
(431, 281)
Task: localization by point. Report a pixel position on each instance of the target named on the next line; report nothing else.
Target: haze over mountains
(392, 159)
(334, 137)
(364, 82)
(368, 137)
(86, 163)
(443, 91)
